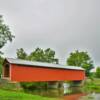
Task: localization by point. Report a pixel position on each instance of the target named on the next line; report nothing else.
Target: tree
(21, 54)
(50, 56)
(97, 72)
(81, 59)
(38, 54)
(5, 33)
(41, 55)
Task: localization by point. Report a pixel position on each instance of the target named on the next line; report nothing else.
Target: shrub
(33, 85)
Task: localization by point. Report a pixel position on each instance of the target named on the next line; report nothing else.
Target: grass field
(10, 95)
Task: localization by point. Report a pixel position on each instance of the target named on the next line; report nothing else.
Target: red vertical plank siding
(23, 73)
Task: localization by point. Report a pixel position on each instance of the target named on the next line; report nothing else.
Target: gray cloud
(64, 25)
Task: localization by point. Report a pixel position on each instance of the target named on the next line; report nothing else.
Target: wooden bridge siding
(23, 73)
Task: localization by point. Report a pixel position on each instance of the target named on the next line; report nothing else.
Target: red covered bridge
(29, 71)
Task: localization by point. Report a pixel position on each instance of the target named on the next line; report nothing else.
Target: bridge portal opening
(7, 71)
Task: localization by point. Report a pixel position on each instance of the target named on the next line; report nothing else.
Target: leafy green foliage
(5, 33)
(34, 85)
(81, 59)
(21, 54)
(91, 86)
(38, 54)
(41, 55)
(97, 72)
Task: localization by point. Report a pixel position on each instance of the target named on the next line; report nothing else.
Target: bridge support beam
(55, 84)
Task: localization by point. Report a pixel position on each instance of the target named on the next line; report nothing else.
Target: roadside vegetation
(91, 86)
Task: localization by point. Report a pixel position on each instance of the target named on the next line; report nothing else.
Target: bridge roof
(41, 64)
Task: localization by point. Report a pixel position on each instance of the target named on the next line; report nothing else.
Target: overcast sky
(63, 25)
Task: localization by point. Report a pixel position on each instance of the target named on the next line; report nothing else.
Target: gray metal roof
(41, 64)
